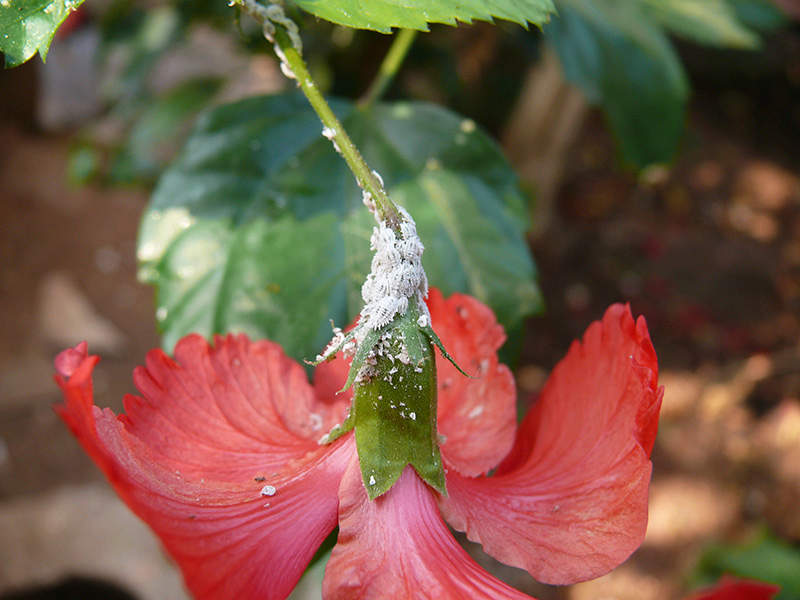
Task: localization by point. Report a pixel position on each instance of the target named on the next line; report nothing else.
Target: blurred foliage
(622, 58)
(83, 164)
(158, 133)
(758, 14)
(620, 55)
(765, 558)
(624, 62)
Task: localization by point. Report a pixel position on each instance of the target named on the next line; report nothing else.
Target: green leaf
(763, 15)
(28, 26)
(765, 558)
(624, 62)
(259, 168)
(382, 15)
(137, 39)
(83, 164)
(157, 135)
(708, 22)
(216, 277)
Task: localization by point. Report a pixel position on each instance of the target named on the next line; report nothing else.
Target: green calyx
(394, 409)
(393, 373)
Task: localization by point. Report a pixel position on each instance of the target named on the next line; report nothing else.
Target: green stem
(390, 66)
(384, 207)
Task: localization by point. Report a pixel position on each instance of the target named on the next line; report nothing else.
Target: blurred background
(697, 226)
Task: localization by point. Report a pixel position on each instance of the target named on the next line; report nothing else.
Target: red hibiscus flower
(730, 588)
(220, 456)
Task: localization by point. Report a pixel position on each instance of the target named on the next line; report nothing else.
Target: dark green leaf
(382, 15)
(765, 558)
(28, 26)
(260, 165)
(623, 61)
(763, 15)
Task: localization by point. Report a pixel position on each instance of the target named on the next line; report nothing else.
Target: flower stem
(390, 66)
(293, 62)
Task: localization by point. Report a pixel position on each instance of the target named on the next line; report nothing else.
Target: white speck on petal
(268, 490)
(476, 412)
(316, 421)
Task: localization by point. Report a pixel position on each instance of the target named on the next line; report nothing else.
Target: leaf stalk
(289, 53)
(391, 64)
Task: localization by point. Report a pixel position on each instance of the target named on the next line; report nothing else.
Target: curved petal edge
(221, 527)
(569, 502)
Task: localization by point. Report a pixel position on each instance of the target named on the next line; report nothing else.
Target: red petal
(477, 417)
(68, 361)
(730, 588)
(192, 458)
(329, 377)
(239, 410)
(397, 546)
(569, 503)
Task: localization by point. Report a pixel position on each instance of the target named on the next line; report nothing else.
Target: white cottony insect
(396, 278)
(270, 16)
(396, 275)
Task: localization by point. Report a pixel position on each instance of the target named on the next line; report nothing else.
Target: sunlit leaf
(382, 15)
(259, 226)
(28, 26)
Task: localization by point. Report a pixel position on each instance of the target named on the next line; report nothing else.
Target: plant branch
(283, 33)
(390, 66)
